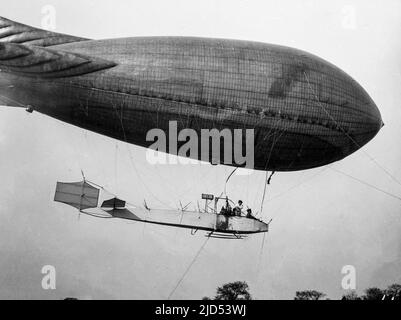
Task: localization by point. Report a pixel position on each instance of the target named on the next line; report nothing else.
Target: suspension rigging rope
(132, 160)
(267, 181)
(228, 178)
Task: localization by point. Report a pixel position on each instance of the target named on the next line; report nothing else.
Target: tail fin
(80, 195)
(22, 52)
(13, 32)
(41, 62)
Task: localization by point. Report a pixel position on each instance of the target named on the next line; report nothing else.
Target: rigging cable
(132, 160)
(260, 255)
(299, 184)
(347, 135)
(228, 178)
(367, 184)
(12, 100)
(267, 181)
(275, 140)
(188, 268)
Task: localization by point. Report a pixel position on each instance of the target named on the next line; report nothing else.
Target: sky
(322, 219)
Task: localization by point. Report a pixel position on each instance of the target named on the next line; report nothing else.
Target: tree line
(239, 290)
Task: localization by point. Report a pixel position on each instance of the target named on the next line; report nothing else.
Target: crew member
(229, 210)
(249, 213)
(238, 208)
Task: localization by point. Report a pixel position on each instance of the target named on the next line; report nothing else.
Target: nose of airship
(357, 114)
(370, 117)
(380, 123)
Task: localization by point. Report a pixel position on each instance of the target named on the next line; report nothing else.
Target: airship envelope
(303, 112)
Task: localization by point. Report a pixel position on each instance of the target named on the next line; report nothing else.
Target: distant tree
(237, 290)
(351, 296)
(373, 294)
(309, 295)
(393, 291)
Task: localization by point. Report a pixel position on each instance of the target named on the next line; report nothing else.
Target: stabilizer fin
(14, 32)
(80, 195)
(47, 63)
